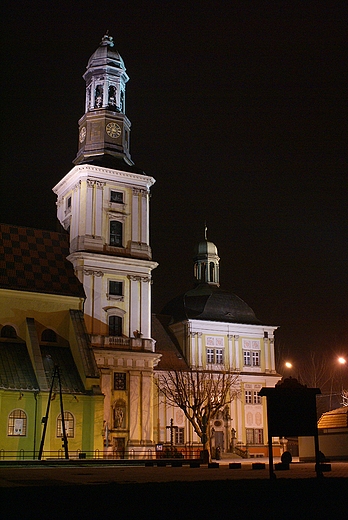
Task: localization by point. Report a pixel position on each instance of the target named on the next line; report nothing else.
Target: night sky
(238, 110)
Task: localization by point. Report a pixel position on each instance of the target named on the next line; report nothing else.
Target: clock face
(113, 130)
(82, 135)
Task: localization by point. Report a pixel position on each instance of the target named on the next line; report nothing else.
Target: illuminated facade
(104, 204)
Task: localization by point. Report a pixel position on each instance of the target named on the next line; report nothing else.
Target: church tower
(104, 204)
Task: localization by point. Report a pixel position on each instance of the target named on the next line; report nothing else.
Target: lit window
(116, 196)
(215, 356)
(179, 435)
(115, 326)
(248, 397)
(119, 381)
(246, 354)
(254, 436)
(251, 358)
(256, 398)
(256, 358)
(116, 233)
(68, 423)
(115, 288)
(17, 423)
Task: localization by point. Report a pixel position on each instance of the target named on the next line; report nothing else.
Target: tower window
(120, 381)
(112, 98)
(115, 326)
(115, 288)
(116, 196)
(116, 233)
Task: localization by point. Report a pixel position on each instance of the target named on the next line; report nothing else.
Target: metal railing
(127, 454)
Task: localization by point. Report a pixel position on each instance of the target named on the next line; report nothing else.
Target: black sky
(238, 110)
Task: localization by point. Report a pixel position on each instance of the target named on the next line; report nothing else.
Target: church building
(103, 206)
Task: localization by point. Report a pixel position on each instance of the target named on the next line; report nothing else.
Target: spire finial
(205, 230)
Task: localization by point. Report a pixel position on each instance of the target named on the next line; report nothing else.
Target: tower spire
(104, 129)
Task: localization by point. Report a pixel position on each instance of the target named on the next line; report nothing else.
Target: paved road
(164, 493)
(90, 475)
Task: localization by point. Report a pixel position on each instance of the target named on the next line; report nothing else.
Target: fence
(129, 454)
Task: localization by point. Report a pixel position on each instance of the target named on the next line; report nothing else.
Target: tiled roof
(35, 260)
(166, 344)
(16, 371)
(334, 419)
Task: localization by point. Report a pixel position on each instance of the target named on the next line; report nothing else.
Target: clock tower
(104, 129)
(103, 202)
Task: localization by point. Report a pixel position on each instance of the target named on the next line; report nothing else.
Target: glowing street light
(288, 364)
(341, 360)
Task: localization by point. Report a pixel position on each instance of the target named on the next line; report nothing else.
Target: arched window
(8, 332)
(69, 425)
(116, 233)
(17, 423)
(212, 277)
(49, 335)
(115, 326)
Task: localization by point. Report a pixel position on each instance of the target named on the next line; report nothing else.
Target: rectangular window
(115, 288)
(251, 358)
(116, 196)
(246, 355)
(215, 356)
(256, 398)
(210, 355)
(120, 381)
(179, 435)
(256, 358)
(116, 233)
(115, 326)
(254, 436)
(248, 398)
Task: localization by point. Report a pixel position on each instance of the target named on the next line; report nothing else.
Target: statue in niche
(119, 408)
(98, 103)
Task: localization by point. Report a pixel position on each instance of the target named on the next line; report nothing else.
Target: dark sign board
(291, 411)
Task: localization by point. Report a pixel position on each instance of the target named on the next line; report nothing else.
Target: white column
(230, 351)
(135, 215)
(236, 351)
(144, 217)
(200, 350)
(75, 209)
(147, 418)
(266, 349)
(99, 208)
(134, 407)
(145, 306)
(134, 317)
(271, 341)
(192, 357)
(98, 286)
(89, 207)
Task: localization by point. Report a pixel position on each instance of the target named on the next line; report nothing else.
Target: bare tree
(315, 372)
(200, 394)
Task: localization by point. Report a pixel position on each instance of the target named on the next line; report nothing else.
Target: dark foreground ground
(242, 499)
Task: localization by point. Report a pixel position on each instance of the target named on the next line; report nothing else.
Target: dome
(106, 54)
(206, 248)
(210, 303)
